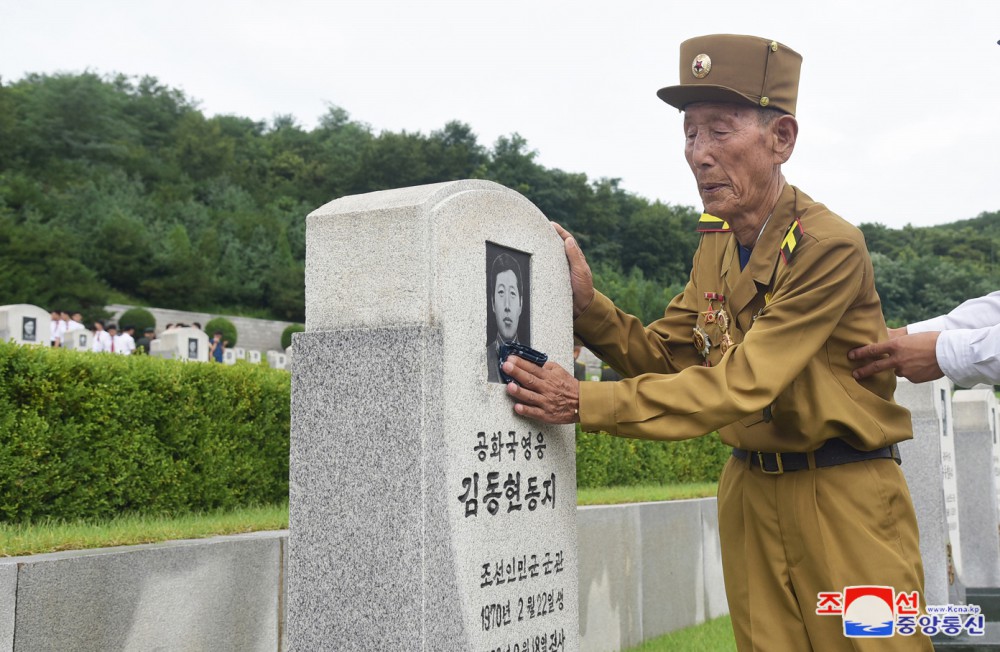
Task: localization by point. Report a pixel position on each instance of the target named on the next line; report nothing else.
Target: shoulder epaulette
(712, 224)
(791, 241)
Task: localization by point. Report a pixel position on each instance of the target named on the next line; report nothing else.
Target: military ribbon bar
(712, 224)
(791, 241)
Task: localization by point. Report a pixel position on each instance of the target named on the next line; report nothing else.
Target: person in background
(113, 334)
(216, 348)
(57, 328)
(126, 341)
(102, 339)
(142, 344)
(75, 323)
(195, 324)
(963, 345)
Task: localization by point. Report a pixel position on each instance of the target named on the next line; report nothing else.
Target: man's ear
(785, 130)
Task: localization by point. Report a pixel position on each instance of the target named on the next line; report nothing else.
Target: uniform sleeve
(970, 356)
(632, 349)
(822, 282)
(981, 312)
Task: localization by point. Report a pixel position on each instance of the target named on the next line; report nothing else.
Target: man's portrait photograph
(192, 348)
(508, 307)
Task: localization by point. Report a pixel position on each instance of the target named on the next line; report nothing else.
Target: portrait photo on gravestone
(508, 300)
(192, 348)
(28, 329)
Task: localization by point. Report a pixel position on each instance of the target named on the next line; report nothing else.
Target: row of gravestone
(952, 467)
(28, 324)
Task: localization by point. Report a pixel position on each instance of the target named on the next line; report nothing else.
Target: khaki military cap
(733, 68)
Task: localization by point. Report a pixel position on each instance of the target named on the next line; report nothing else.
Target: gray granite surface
(217, 594)
(390, 400)
(974, 413)
(927, 459)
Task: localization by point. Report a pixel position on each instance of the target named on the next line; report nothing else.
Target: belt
(832, 453)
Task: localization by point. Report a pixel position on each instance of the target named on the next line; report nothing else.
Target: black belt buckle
(521, 351)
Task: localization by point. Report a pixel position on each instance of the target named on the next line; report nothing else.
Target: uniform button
(774, 46)
(764, 101)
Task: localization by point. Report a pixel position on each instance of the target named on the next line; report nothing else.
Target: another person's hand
(913, 357)
(897, 332)
(580, 277)
(548, 393)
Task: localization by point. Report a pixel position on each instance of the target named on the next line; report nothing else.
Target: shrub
(605, 461)
(86, 435)
(286, 335)
(138, 317)
(227, 327)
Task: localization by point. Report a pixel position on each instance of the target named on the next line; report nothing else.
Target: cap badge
(701, 66)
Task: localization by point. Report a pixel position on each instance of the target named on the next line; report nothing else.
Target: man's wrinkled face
(507, 304)
(731, 155)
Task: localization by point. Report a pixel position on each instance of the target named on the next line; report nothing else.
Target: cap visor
(680, 96)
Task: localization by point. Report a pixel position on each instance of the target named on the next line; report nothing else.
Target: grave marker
(424, 514)
(25, 324)
(929, 467)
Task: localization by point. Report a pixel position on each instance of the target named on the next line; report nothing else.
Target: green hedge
(286, 335)
(229, 332)
(140, 318)
(604, 461)
(92, 435)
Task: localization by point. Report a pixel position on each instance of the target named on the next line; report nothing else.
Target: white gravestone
(240, 353)
(79, 339)
(424, 514)
(975, 422)
(185, 344)
(228, 356)
(25, 324)
(253, 357)
(277, 360)
(929, 467)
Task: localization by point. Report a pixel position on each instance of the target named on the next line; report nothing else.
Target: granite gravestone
(228, 356)
(239, 353)
(929, 467)
(186, 344)
(78, 339)
(277, 360)
(424, 514)
(25, 324)
(974, 411)
(253, 357)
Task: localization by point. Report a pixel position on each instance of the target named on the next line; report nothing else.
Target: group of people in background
(108, 338)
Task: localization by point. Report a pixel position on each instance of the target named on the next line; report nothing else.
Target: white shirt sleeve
(970, 356)
(982, 312)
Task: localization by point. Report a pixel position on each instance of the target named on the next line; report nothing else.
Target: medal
(725, 343)
(701, 341)
(723, 320)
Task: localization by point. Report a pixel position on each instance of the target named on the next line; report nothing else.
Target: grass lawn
(712, 636)
(52, 536)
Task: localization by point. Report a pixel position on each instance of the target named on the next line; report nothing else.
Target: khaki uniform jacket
(785, 384)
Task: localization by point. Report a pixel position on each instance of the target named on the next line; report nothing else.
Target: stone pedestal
(424, 514)
(975, 435)
(929, 467)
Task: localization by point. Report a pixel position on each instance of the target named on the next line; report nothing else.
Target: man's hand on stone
(548, 393)
(913, 357)
(580, 277)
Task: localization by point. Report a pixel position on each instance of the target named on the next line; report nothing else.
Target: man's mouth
(507, 321)
(709, 188)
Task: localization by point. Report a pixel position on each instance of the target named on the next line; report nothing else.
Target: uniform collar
(759, 271)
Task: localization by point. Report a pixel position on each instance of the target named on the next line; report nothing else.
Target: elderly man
(812, 499)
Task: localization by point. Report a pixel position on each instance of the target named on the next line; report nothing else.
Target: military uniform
(759, 353)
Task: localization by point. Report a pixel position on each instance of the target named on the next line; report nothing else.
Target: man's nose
(701, 151)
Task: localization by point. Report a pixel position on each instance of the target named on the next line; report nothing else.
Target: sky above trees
(897, 101)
